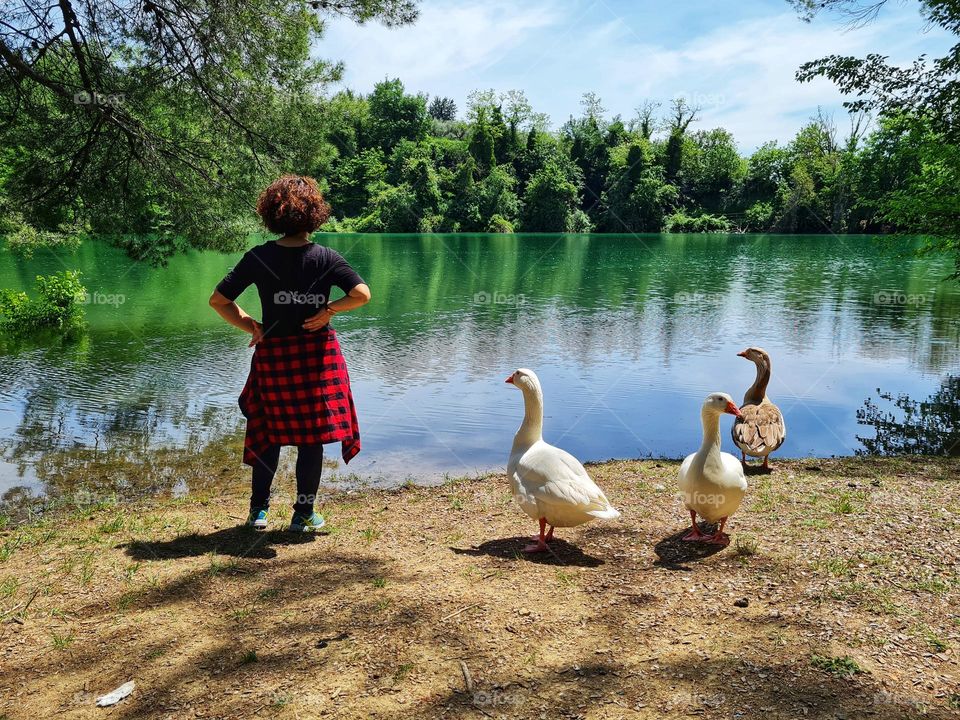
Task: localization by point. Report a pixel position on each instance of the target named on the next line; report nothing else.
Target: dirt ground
(838, 598)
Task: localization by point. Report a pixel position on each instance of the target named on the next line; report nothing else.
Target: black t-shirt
(293, 282)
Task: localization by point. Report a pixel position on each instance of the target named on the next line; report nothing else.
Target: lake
(627, 333)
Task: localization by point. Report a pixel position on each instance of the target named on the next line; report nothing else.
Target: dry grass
(417, 604)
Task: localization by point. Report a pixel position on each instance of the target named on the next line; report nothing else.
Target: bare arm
(234, 314)
(357, 297)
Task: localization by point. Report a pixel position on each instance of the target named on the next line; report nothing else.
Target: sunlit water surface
(628, 334)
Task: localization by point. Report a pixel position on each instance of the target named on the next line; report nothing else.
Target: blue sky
(734, 58)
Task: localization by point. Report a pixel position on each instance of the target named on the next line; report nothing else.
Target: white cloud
(741, 72)
(450, 46)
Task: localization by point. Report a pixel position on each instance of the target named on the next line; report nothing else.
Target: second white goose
(712, 481)
(549, 484)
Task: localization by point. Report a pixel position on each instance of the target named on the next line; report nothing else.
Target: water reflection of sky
(627, 340)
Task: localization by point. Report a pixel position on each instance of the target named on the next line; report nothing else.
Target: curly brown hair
(293, 204)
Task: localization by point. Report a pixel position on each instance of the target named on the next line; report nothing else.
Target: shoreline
(838, 593)
(75, 491)
(86, 476)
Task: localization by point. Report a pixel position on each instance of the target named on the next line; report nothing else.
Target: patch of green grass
(370, 535)
(745, 546)
(934, 585)
(86, 569)
(874, 599)
(4, 521)
(765, 498)
(240, 614)
(836, 566)
(953, 701)
(8, 588)
(61, 642)
(282, 700)
(565, 579)
(456, 504)
(935, 641)
(268, 594)
(250, 656)
(844, 666)
(130, 570)
(218, 566)
(843, 504)
(114, 525)
(7, 548)
(402, 672)
(127, 599)
(330, 528)
(382, 604)
(876, 559)
(155, 653)
(880, 601)
(778, 638)
(379, 582)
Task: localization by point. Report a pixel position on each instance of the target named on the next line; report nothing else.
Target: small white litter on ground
(112, 698)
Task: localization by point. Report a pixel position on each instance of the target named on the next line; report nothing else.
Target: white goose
(550, 485)
(712, 482)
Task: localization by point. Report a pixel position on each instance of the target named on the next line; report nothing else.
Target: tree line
(398, 162)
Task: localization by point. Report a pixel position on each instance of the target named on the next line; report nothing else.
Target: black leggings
(309, 467)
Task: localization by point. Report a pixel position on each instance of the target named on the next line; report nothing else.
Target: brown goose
(760, 429)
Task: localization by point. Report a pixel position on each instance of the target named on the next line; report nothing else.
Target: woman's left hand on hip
(318, 321)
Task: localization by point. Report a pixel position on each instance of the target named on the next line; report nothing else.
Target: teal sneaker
(257, 519)
(299, 523)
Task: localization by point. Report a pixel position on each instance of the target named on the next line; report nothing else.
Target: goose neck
(758, 391)
(531, 429)
(711, 432)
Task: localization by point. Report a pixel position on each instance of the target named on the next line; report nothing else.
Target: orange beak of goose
(742, 353)
(733, 409)
(509, 380)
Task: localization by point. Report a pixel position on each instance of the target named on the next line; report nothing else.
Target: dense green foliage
(392, 166)
(156, 124)
(918, 146)
(58, 304)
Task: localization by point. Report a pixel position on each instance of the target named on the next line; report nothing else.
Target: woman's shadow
(240, 541)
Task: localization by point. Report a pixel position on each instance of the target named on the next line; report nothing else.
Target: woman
(298, 390)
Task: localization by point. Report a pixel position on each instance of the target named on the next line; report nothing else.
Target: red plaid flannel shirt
(298, 393)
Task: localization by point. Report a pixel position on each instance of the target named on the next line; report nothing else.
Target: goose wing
(760, 429)
(554, 477)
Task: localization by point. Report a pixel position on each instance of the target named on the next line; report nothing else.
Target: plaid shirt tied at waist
(298, 393)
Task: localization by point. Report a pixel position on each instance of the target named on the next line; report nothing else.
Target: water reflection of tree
(928, 427)
(105, 417)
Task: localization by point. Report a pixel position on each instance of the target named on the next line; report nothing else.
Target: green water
(628, 334)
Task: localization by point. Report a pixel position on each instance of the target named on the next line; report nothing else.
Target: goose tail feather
(609, 513)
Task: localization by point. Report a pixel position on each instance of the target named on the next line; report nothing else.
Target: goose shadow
(672, 551)
(560, 553)
(240, 542)
(751, 470)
